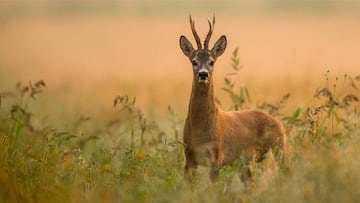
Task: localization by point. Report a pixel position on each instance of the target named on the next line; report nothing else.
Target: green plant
(132, 158)
(239, 93)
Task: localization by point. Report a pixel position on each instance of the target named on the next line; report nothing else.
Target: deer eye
(194, 63)
(211, 63)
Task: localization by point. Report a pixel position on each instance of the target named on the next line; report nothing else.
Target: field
(93, 98)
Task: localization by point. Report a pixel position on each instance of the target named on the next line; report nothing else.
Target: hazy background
(88, 52)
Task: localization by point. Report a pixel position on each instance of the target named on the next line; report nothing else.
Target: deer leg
(190, 172)
(245, 174)
(244, 169)
(215, 165)
(214, 173)
(190, 166)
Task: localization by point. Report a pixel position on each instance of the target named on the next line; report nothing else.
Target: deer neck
(202, 107)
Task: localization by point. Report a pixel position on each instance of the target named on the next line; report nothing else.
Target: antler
(208, 36)
(197, 38)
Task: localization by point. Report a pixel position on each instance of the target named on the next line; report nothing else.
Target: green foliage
(135, 159)
(333, 116)
(238, 94)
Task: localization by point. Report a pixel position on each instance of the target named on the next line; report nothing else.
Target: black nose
(203, 75)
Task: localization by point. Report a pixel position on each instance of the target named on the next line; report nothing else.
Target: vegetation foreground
(137, 159)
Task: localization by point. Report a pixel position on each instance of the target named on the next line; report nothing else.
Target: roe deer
(215, 137)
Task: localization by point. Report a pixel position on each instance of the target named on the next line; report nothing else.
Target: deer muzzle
(203, 77)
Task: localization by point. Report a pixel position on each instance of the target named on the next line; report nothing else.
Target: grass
(134, 158)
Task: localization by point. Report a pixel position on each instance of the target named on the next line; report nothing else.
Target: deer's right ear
(186, 46)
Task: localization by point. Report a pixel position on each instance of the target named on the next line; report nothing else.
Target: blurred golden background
(88, 52)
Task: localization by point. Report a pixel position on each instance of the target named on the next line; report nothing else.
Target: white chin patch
(203, 81)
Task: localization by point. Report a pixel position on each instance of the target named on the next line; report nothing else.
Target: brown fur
(215, 137)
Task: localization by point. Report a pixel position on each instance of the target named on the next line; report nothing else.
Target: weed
(242, 95)
(136, 159)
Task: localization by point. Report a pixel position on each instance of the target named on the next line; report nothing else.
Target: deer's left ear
(219, 46)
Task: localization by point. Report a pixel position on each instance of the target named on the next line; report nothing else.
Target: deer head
(203, 59)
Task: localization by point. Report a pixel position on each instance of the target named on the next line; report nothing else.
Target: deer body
(215, 137)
